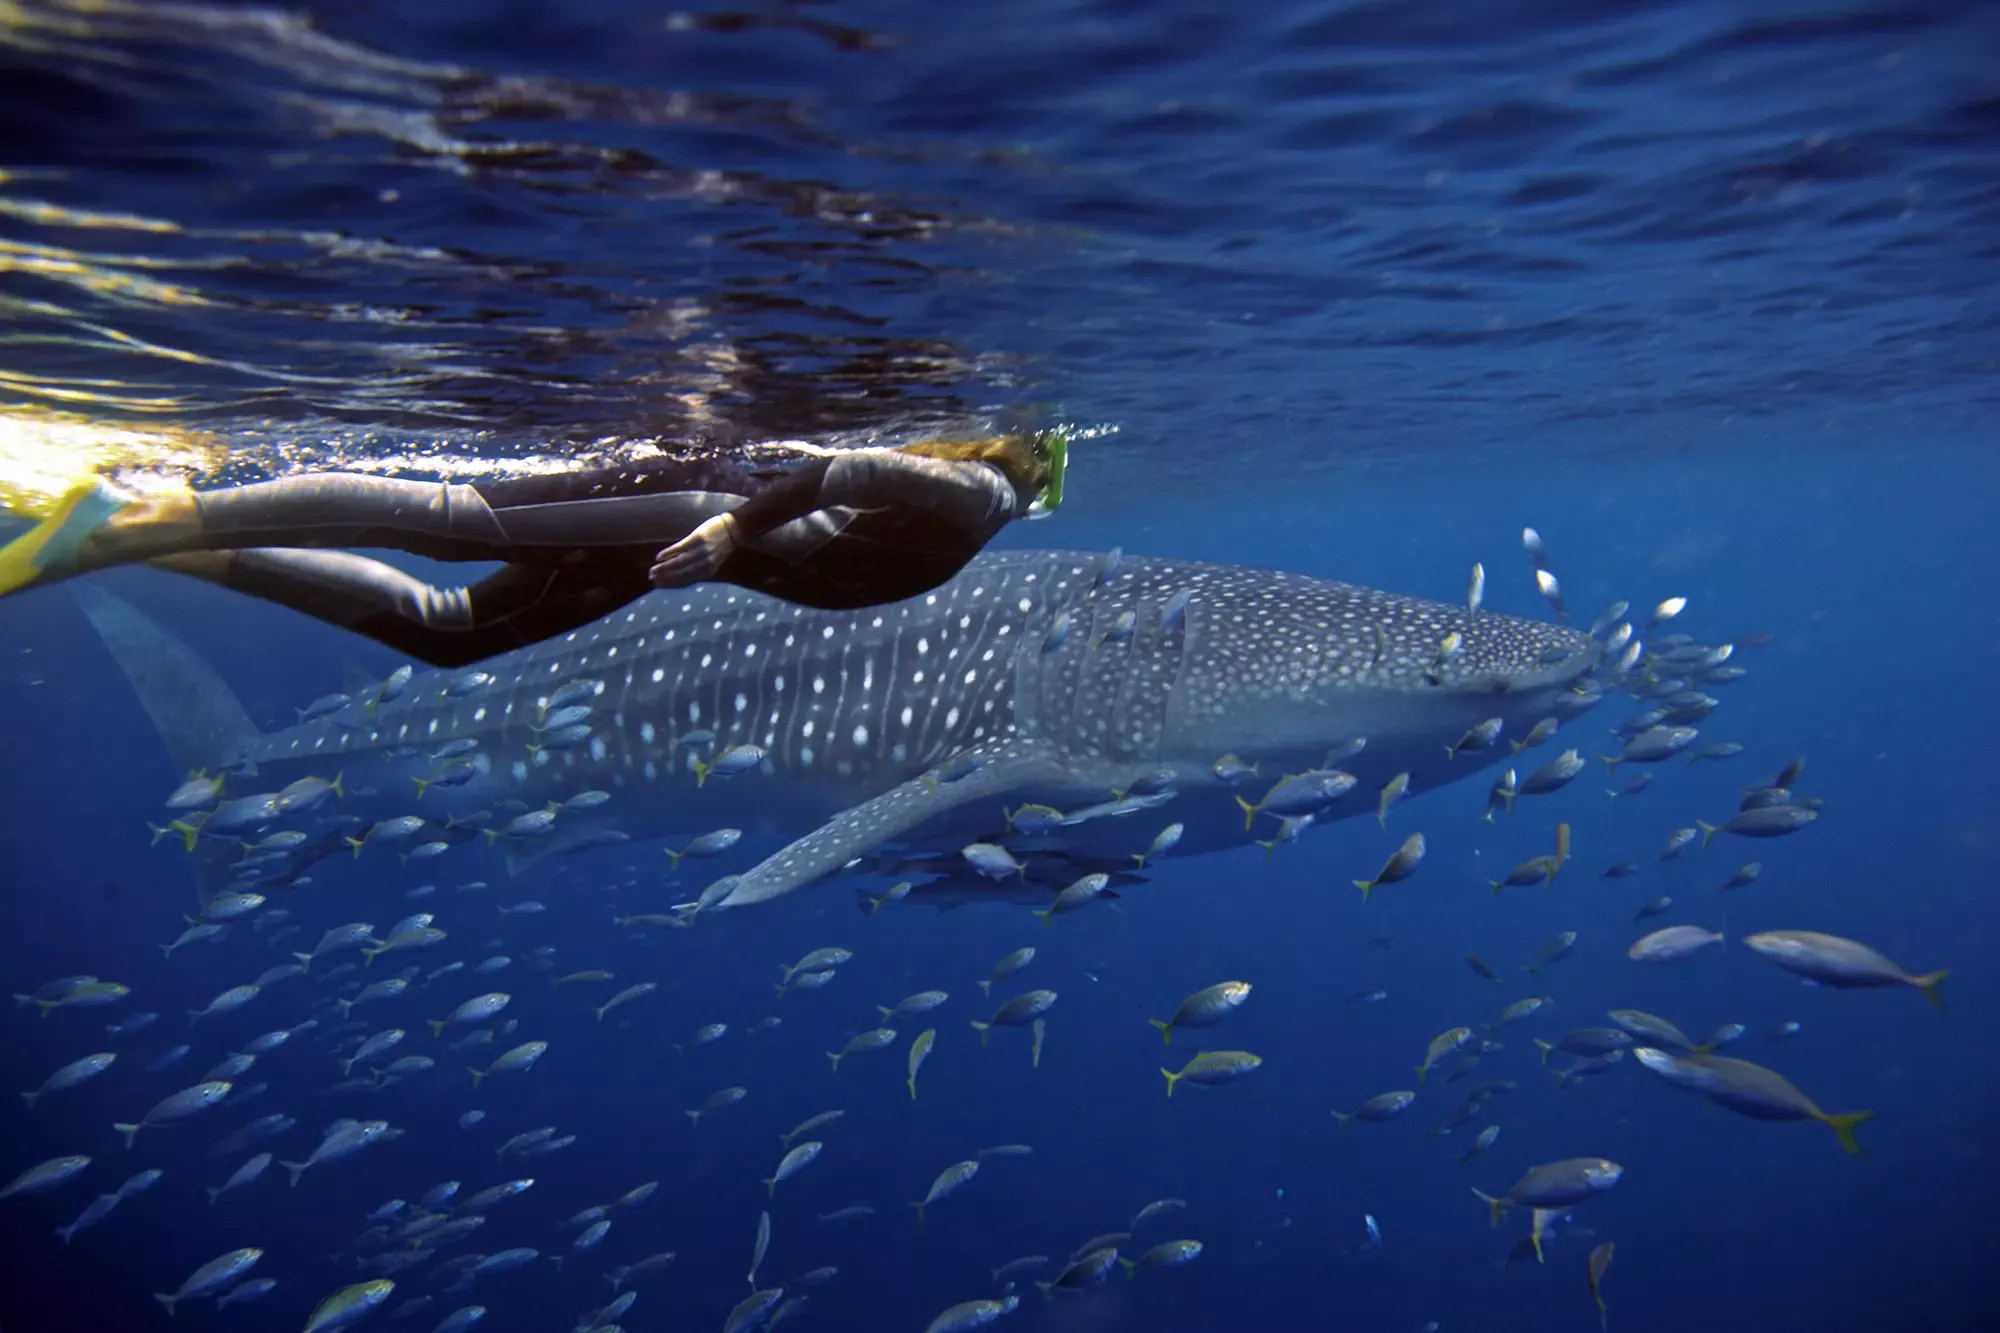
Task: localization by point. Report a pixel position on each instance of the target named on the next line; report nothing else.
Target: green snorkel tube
(1055, 445)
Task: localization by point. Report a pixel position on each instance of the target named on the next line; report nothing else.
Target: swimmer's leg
(445, 627)
(98, 524)
(318, 510)
(521, 518)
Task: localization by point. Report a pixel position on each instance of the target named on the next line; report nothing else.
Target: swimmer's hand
(697, 556)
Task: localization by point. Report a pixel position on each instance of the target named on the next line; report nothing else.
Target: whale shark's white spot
(860, 735)
(806, 756)
(807, 729)
(652, 771)
(519, 770)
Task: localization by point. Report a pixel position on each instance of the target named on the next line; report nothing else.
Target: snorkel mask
(1053, 445)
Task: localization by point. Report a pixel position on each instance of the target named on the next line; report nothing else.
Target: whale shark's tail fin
(198, 716)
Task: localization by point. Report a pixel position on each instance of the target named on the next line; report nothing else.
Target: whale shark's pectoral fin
(1004, 766)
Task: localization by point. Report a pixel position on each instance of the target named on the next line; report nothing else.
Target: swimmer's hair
(1016, 453)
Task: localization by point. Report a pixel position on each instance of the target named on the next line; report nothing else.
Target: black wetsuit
(853, 529)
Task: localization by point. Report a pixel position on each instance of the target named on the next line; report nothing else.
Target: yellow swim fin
(55, 542)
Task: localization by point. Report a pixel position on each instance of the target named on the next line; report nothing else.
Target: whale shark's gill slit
(1176, 709)
(839, 741)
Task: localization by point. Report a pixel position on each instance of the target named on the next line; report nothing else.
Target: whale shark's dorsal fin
(1002, 767)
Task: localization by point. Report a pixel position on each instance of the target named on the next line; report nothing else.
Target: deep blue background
(1703, 292)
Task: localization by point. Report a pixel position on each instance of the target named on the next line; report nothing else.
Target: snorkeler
(843, 529)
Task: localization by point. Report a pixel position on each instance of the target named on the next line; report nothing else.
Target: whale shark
(1103, 686)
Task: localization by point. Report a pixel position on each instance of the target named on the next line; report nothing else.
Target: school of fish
(458, 1001)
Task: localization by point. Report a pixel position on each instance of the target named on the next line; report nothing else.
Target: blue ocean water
(1704, 293)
